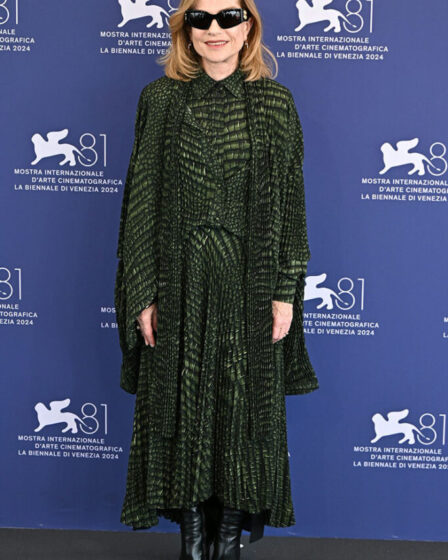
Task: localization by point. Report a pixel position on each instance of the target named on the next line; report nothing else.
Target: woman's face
(230, 41)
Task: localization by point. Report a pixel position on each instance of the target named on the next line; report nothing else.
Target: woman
(213, 253)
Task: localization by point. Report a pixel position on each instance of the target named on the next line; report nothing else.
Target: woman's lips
(216, 44)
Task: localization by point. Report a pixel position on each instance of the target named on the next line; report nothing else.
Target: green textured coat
(149, 244)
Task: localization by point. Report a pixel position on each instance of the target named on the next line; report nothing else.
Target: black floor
(45, 544)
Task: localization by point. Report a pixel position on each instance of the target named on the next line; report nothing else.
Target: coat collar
(203, 83)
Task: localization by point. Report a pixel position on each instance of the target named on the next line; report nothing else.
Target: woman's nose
(214, 26)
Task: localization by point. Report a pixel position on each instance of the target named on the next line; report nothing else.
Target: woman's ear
(249, 23)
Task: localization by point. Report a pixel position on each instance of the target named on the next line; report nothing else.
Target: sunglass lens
(229, 18)
(201, 20)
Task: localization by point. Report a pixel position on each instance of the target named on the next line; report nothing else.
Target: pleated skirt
(211, 455)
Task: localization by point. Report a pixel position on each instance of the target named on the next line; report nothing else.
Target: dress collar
(203, 83)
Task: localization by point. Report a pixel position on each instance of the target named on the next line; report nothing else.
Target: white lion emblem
(392, 426)
(135, 9)
(51, 147)
(54, 415)
(402, 156)
(316, 12)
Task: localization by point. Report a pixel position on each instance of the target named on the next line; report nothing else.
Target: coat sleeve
(136, 277)
(300, 376)
(294, 250)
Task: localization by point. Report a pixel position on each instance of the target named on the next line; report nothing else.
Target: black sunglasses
(225, 18)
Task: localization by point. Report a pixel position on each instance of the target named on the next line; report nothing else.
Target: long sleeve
(294, 250)
(136, 279)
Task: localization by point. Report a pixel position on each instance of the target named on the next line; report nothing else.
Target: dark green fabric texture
(189, 233)
(211, 455)
(219, 106)
(150, 248)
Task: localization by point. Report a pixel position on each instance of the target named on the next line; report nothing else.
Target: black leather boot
(192, 528)
(227, 542)
(213, 510)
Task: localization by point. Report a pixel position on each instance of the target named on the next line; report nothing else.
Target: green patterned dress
(211, 455)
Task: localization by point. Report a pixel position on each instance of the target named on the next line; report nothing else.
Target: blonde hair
(182, 63)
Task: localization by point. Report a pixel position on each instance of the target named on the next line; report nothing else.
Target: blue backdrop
(369, 450)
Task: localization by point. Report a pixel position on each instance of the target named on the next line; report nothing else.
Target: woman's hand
(147, 321)
(282, 318)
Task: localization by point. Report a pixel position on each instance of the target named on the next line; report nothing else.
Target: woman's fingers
(279, 331)
(281, 319)
(147, 321)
